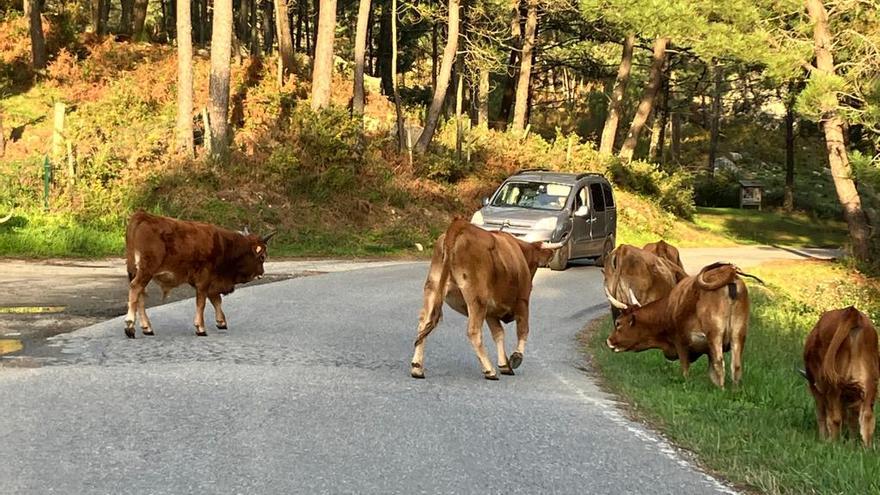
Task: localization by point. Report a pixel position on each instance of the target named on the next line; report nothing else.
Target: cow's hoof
(148, 333)
(129, 329)
(490, 375)
(201, 334)
(515, 360)
(221, 326)
(417, 371)
(506, 370)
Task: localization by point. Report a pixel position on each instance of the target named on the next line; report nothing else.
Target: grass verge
(762, 435)
(770, 227)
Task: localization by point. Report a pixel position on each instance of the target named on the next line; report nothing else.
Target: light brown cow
(174, 252)
(638, 276)
(664, 250)
(842, 368)
(704, 314)
(485, 276)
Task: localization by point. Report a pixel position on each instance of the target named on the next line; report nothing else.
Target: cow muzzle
(612, 346)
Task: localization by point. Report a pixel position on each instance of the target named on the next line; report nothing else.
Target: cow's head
(538, 254)
(629, 333)
(251, 264)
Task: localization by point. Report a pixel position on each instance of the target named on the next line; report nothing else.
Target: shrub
(719, 191)
(674, 192)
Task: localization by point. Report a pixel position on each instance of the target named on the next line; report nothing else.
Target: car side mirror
(582, 211)
(485, 201)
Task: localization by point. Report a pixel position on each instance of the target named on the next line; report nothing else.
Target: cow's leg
(522, 333)
(684, 358)
(739, 322)
(866, 415)
(476, 317)
(432, 310)
(199, 321)
(498, 336)
(219, 315)
(146, 326)
(135, 290)
(833, 415)
(821, 412)
(716, 358)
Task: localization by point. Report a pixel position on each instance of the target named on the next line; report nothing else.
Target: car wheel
(560, 259)
(606, 249)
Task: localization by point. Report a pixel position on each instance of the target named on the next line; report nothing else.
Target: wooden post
(58, 132)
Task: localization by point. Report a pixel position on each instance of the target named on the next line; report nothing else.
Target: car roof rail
(587, 174)
(522, 171)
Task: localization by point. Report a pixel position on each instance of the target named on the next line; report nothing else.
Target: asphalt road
(309, 392)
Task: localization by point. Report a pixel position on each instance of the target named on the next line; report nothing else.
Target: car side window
(580, 199)
(598, 197)
(609, 198)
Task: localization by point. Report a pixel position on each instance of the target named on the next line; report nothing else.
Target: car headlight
(477, 219)
(548, 223)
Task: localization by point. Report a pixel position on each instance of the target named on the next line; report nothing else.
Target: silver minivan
(539, 205)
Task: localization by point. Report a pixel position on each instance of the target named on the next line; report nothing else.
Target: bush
(674, 192)
(718, 191)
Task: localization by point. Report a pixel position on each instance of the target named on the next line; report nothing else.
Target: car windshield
(535, 195)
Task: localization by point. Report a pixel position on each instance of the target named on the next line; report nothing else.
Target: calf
(485, 276)
(842, 368)
(704, 314)
(174, 252)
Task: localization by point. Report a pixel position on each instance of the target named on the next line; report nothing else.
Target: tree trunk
(96, 13)
(383, 54)
(443, 76)
(434, 57)
(659, 156)
(255, 28)
(285, 40)
(360, 47)
(716, 118)
(525, 69)
(315, 31)
(510, 80)
(204, 22)
(483, 98)
(308, 26)
(244, 16)
(184, 78)
(139, 17)
(675, 146)
(647, 102)
(322, 75)
(788, 198)
(401, 131)
(832, 124)
(221, 48)
(38, 42)
(615, 106)
(268, 26)
(125, 16)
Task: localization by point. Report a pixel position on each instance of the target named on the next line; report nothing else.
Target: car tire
(606, 249)
(560, 259)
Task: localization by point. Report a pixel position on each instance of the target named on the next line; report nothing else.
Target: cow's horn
(552, 245)
(633, 297)
(245, 231)
(268, 236)
(614, 302)
(6, 218)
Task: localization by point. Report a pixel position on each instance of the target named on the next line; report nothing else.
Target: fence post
(47, 179)
(58, 131)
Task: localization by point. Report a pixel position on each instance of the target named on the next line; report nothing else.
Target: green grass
(762, 435)
(769, 227)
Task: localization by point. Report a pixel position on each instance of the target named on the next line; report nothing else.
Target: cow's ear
(632, 320)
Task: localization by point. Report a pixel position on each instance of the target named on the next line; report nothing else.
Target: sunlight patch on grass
(772, 228)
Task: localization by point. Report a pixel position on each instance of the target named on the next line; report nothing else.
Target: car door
(597, 219)
(610, 212)
(580, 228)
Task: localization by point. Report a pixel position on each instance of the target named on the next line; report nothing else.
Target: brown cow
(174, 252)
(842, 368)
(664, 250)
(704, 314)
(633, 275)
(485, 276)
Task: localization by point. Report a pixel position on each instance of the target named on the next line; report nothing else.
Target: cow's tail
(435, 286)
(717, 275)
(847, 327)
